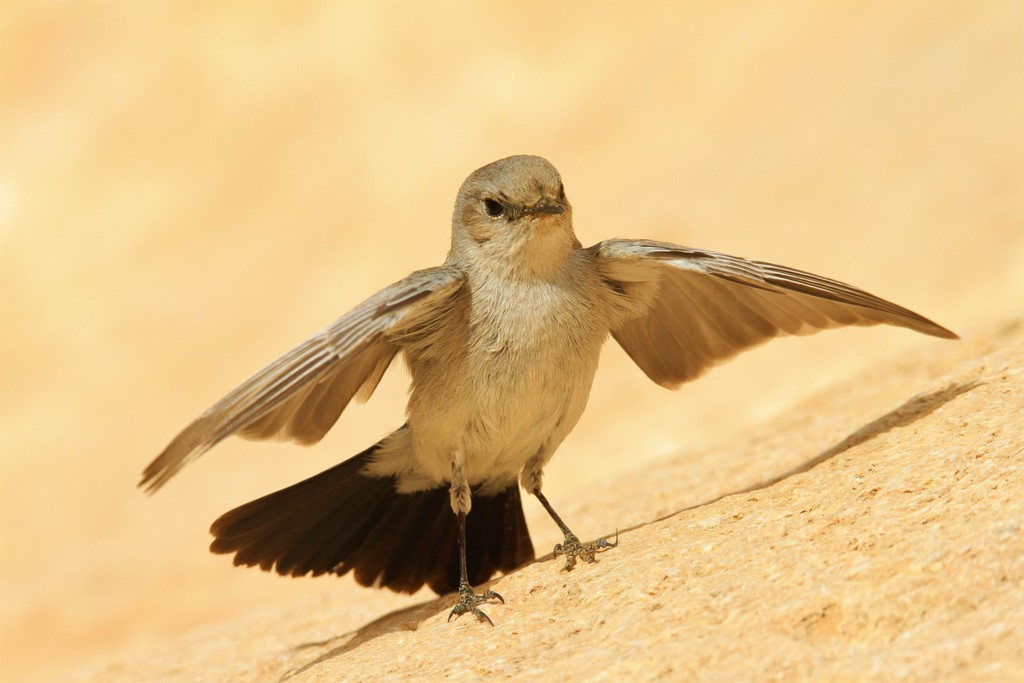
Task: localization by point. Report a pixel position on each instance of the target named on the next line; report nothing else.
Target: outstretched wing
(301, 395)
(684, 310)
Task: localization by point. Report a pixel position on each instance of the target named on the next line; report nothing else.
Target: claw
(461, 609)
(605, 543)
(573, 549)
(468, 601)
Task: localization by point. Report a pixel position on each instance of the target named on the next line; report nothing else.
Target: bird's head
(513, 214)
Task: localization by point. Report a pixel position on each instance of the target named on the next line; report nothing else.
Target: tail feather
(407, 571)
(285, 527)
(495, 524)
(343, 520)
(443, 565)
(514, 541)
(388, 538)
(343, 524)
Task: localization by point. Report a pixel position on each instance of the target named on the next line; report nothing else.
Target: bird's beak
(547, 206)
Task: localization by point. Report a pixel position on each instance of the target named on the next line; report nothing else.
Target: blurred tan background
(188, 189)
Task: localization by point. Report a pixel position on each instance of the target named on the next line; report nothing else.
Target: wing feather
(683, 310)
(301, 395)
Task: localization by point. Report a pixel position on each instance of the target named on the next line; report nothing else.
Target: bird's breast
(509, 374)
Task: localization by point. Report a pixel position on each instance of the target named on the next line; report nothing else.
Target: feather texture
(344, 520)
(695, 308)
(301, 395)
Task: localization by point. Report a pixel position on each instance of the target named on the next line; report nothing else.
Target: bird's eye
(493, 208)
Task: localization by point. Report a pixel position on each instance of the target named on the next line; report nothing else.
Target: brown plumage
(502, 342)
(341, 520)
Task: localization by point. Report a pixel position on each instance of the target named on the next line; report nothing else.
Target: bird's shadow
(911, 411)
(405, 619)
(410, 618)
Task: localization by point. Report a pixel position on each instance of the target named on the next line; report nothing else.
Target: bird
(502, 342)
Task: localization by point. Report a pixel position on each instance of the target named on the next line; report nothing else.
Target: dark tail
(342, 520)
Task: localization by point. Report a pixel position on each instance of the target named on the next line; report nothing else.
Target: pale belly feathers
(497, 386)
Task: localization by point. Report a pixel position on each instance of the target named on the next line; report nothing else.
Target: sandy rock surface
(881, 540)
(189, 189)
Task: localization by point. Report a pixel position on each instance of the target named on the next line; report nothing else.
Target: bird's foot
(468, 601)
(573, 549)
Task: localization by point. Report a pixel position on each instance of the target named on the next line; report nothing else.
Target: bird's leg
(571, 546)
(468, 600)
